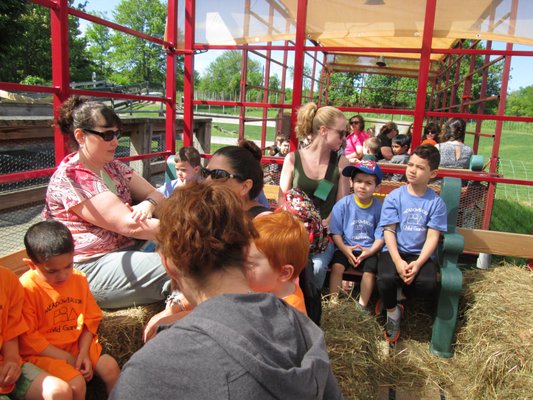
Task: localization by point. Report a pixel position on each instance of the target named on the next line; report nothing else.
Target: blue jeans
(321, 263)
(126, 278)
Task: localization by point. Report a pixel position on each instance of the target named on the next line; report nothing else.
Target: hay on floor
(121, 330)
(493, 355)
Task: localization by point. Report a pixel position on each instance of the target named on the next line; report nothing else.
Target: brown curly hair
(203, 229)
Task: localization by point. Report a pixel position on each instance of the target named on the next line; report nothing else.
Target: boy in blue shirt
(354, 226)
(412, 218)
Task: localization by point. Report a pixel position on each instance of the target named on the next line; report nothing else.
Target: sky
(521, 75)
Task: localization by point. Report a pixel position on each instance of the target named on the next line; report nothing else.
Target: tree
(224, 75)
(29, 51)
(99, 46)
(134, 59)
(12, 28)
(520, 102)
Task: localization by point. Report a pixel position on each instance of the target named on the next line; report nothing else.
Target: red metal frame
(445, 100)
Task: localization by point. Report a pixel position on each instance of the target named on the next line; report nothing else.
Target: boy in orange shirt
(277, 257)
(18, 379)
(61, 313)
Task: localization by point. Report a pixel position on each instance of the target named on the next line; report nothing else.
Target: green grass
(251, 132)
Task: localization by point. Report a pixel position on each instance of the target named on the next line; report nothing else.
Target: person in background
(453, 152)
(412, 218)
(235, 343)
(371, 148)
(317, 169)
(92, 193)
(400, 148)
(278, 256)
(61, 313)
(18, 379)
(431, 134)
(281, 150)
(188, 169)
(386, 133)
(356, 138)
(356, 232)
(239, 167)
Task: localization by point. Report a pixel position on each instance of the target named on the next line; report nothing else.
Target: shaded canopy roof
(364, 24)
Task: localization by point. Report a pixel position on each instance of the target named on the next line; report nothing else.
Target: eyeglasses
(220, 174)
(342, 133)
(354, 122)
(107, 135)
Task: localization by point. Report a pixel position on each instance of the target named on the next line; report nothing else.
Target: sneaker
(392, 327)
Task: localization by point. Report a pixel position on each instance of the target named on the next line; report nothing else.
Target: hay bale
(495, 343)
(493, 355)
(351, 339)
(121, 330)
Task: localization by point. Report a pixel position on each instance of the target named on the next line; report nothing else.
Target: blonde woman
(317, 169)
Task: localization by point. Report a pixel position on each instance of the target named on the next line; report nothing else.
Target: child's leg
(367, 286)
(108, 370)
(335, 279)
(78, 387)
(425, 282)
(369, 267)
(387, 281)
(48, 387)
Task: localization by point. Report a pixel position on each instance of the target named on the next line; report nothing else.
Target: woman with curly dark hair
(235, 343)
(92, 193)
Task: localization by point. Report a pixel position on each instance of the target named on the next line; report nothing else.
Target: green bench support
(451, 276)
(170, 169)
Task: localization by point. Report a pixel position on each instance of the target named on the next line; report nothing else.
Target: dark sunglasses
(342, 133)
(354, 122)
(107, 135)
(219, 174)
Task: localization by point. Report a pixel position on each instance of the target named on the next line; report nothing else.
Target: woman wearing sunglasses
(317, 169)
(356, 138)
(240, 168)
(91, 193)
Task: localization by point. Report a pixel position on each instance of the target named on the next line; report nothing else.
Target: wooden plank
(14, 262)
(21, 197)
(497, 243)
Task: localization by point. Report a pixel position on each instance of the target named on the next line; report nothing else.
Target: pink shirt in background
(354, 141)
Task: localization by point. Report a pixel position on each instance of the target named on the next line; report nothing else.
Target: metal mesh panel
(14, 223)
(25, 155)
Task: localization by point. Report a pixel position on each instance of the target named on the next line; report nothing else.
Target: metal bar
(301, 19)
(188, 76)
(170, 82)
(425, 52)
(114, 95)
(244, 70)
(60, 70)
(493, 163)
(28, 88)
(112, 25)
(39, 173)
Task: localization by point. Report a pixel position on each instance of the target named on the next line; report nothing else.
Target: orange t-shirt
(56, 315)
(296, 299)
(12, 323)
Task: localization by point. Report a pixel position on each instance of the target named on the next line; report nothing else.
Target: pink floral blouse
(71, 185)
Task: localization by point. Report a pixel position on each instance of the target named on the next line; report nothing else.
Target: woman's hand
(142, 211)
